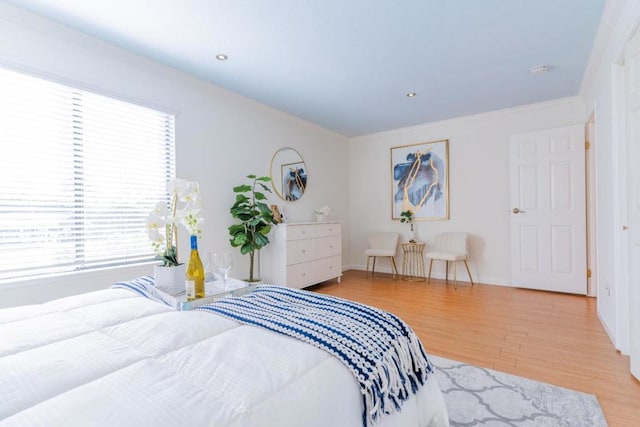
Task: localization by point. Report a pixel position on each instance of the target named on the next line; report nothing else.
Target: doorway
(590, 205)
(548, 218)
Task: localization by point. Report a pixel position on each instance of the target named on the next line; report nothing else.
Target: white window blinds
(79, 173)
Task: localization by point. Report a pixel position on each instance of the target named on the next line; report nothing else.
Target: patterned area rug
(484, 397)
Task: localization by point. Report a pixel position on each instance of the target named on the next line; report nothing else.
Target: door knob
(517, 211)
(625, 227)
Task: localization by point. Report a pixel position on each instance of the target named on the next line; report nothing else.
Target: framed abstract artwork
(288, 174)
(294, 180)
(420, 180)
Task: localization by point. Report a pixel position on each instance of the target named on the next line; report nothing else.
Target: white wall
(606, 201)
(220, 137)
(603, 91)
(479, 182)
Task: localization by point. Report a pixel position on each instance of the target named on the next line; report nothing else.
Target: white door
(548, 218)
(632, 79)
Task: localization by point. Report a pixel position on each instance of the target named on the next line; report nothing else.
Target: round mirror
(288, 174)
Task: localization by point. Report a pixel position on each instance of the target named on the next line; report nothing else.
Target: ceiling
(347, 65)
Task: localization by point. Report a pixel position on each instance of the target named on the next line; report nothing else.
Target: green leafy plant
(406, 216)
(255, 218)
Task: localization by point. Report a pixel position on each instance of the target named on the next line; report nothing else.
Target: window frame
(169, 171)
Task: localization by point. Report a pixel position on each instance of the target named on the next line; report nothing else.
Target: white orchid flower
(185, 209)
(192, 221)
(190, 193)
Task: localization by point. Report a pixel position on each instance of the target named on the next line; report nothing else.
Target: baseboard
(609, 333)
(498, 281)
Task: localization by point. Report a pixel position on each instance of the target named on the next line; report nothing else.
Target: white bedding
(114, 358)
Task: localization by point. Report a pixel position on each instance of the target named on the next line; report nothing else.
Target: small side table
(413, 261)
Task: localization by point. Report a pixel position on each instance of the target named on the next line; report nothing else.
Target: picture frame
(420, 180)
(277, 215)
(293, 179)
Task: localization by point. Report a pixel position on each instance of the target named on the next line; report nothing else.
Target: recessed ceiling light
(221, 57)
(539, 69)
(411, 95)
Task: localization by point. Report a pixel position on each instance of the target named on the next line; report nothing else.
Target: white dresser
(302, 254)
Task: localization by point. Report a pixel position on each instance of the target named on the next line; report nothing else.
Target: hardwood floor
(555, 338)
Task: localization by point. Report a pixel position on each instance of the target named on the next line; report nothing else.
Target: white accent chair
(450, 247)
(382, 244)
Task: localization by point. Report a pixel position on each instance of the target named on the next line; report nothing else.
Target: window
(79, 173)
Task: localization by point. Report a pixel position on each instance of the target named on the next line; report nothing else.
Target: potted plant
(322, 213)
(407, 216)
(162, 226)
(255, 218)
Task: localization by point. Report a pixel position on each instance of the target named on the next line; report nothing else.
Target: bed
(115, 358)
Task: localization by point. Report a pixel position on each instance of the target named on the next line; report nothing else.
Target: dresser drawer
(301, 275)
(324, 230)
(328, 268)
(301, 251)
(297, 232)
(328, 246)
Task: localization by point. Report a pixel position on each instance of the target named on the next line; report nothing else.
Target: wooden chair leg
(430, 267)
(446, 274)
(468, 272)
(366, 275)
(455, 275)
(395, 268)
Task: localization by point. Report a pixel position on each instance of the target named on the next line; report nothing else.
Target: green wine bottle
(195, 273)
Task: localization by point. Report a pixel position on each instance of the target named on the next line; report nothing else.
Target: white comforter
(113, 358)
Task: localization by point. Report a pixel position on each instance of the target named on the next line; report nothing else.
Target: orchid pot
(170, 279)
(322, 213)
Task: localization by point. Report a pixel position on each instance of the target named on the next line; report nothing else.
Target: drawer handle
(304, 251)
(330, 246)
(304, 232)
(304, 274)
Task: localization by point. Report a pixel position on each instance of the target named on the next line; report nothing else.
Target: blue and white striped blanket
(383, 353)
(145, 286)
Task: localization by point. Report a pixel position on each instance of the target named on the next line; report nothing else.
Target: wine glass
(223, 262)
(206, 262)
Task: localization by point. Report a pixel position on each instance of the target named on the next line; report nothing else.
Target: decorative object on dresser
(255, 218)
(183, 207)
(304, 253)
(322, 213)
(277, 215)
(289, 175)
